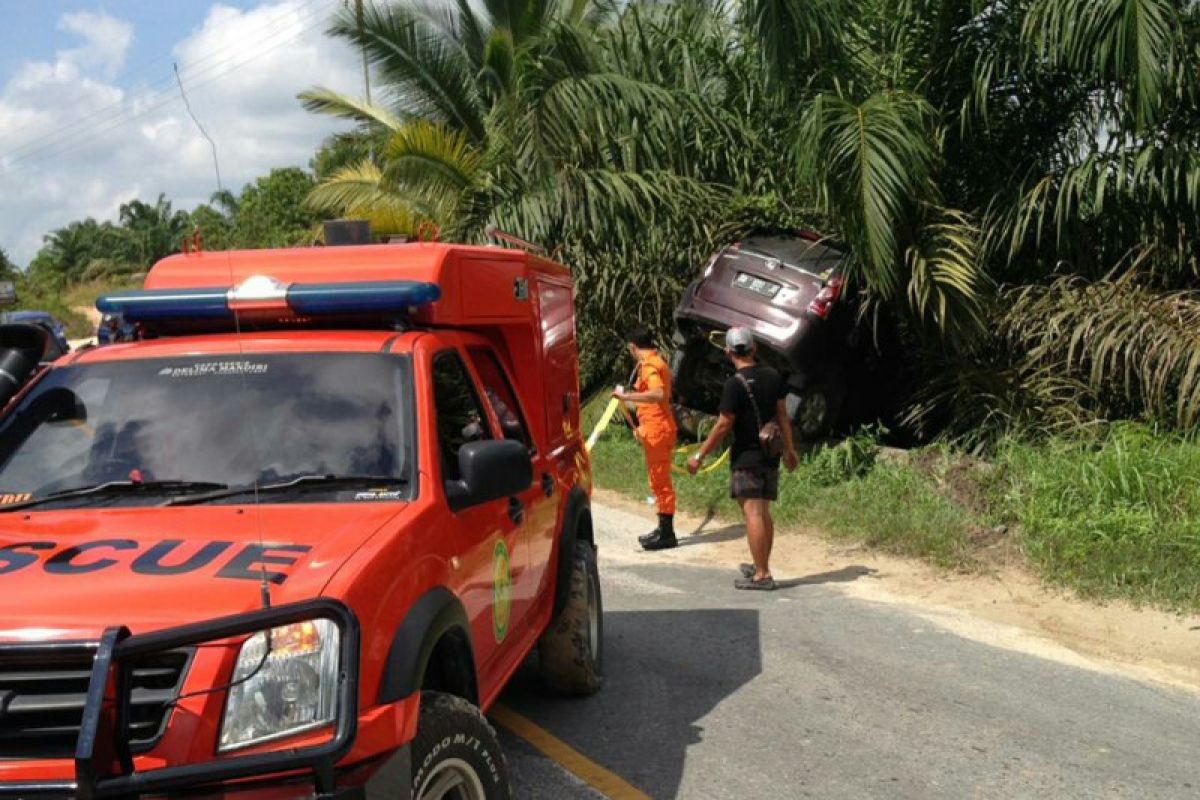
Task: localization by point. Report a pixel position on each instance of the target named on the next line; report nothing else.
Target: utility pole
(358, 15)
(358, 12)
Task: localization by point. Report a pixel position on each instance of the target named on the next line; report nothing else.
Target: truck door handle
(547, 484)
(516, 510)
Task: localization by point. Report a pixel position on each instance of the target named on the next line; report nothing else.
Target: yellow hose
(687, 448)
(606, 418)
(602, 424)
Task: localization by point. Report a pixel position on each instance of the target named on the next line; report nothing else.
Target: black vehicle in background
(789, 291)
(28, 341)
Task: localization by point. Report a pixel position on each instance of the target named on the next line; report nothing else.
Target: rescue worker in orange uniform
(656, 431)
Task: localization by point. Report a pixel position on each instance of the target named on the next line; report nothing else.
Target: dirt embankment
(93, 317)
(1006, 608)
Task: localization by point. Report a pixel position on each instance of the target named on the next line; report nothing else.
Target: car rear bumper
(104, 766)
(696, 311)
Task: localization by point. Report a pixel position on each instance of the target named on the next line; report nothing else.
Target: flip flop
(765, 585)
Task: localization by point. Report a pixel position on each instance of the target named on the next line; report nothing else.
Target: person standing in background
(750, 399)
(656, 431)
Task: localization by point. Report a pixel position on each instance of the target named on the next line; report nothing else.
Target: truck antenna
(265, 585)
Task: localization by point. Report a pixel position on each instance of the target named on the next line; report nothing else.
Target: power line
(164, 83)
(155, 101)
(20, 158)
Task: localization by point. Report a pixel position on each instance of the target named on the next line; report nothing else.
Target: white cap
(739, 340)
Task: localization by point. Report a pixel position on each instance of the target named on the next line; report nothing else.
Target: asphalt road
(807, 692)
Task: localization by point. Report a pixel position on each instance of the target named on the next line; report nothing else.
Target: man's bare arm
(719, 432)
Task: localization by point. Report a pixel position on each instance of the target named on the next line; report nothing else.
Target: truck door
(540, 499)
(490, 536)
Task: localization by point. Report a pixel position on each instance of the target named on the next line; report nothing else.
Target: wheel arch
(433, 643)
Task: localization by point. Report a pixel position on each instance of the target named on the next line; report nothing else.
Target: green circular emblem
(501, 590)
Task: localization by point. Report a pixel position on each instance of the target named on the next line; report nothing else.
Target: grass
(830, 490)
(1109, 516)
(1113, 517)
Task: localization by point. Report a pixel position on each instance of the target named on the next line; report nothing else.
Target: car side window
(500, 395)
(460, 417)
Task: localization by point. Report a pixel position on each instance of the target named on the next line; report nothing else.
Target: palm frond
(1131, 40)
(320, 100)
(360, 192)
(945, 280)
(431, 158)
(872, 162)
(1132, 342)
(425, 73)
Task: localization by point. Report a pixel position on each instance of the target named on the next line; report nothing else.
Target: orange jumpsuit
(656, 427)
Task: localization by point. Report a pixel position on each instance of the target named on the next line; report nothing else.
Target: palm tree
(445, 71)
(950, 144)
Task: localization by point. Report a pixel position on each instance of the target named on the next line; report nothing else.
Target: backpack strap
(753, 400)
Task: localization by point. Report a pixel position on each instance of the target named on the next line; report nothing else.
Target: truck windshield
(171, 426)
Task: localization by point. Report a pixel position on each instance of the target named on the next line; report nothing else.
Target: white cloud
(106, 42)
(74, 143)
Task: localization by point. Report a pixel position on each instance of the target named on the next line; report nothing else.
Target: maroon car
(788, 290)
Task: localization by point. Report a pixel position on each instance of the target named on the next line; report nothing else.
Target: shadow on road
(843, 575)
(665, 671)
(699, 536)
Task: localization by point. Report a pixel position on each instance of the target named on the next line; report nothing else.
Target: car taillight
(822, 304)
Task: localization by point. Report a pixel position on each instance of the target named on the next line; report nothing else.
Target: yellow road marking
(567, 757)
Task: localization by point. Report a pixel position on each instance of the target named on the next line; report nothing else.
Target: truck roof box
(480, 286)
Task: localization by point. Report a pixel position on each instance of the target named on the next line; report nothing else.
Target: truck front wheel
(455, 755)
(570, 650)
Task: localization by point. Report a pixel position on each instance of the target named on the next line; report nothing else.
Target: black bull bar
(103, 762)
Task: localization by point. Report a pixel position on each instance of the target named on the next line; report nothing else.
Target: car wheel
(570, 650)
(456, 755)
(814, 411)
(687, 365)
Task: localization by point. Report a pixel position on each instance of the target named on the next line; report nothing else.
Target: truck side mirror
(489, 471)
(21, 349)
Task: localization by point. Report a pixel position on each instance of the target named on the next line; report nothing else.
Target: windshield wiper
(298, 483)
(113, 488)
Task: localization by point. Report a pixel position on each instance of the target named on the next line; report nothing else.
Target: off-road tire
(455, 741)
(570, 651)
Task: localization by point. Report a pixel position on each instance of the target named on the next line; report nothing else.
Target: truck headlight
(285, 682)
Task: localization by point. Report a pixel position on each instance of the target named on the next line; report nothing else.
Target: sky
(91, 117)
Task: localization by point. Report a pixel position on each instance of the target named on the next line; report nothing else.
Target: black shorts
(755, 483)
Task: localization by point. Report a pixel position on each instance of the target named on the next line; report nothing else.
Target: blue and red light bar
(266, 295)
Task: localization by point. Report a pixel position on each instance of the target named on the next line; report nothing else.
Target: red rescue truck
(293, 540)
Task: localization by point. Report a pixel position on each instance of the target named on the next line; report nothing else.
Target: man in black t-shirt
(754, 396)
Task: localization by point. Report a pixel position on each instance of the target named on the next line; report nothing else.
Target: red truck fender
(437, 617)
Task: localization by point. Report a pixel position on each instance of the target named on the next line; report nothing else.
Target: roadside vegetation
(1114, 514)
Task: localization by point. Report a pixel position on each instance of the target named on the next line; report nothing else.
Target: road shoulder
(1008, 608)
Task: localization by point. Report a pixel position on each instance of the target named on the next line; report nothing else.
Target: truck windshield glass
(194, 423)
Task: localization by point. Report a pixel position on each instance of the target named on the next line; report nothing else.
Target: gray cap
(739, 340)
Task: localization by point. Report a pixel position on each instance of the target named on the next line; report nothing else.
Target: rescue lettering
(13, 559)
(162, 558)
(63, 562)
(249, 564)
(150, 562)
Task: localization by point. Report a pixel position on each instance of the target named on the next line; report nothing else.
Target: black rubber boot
(663, 519)
(663, 537)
